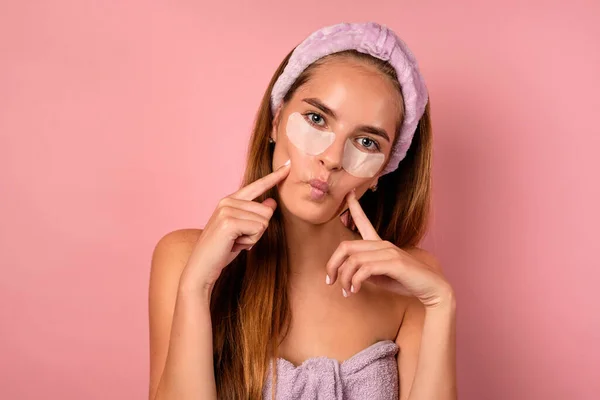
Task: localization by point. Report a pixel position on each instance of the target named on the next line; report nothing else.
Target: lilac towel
(370, 374)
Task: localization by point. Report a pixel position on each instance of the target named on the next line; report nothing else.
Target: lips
(318, 189)
(319, 185)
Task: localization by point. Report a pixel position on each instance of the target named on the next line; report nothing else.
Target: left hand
(384, 264)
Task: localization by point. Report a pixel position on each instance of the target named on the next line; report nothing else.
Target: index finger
(360, 218)
(263, 184)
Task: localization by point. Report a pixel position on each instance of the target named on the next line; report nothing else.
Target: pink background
(121, 121)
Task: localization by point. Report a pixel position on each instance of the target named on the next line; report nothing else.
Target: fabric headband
(373, 39)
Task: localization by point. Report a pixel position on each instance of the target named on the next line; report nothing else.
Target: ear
(275, 124)
(373, 185)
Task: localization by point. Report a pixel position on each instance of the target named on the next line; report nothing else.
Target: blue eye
(368, 144)
(315, 119)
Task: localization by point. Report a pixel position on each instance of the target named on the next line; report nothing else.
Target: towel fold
(370, 374)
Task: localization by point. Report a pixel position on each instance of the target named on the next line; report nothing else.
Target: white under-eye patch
(307, 138)
(360, 163)
(313, 141)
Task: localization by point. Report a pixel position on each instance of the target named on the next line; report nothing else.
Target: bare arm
(427, 358)
(181, 350)
(185, 266)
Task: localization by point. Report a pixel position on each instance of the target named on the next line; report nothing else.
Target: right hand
(237, 224)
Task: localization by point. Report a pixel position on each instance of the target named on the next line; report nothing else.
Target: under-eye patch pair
(313, 141)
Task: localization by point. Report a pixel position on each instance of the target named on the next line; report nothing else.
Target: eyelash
(310, 121)
(374, 142)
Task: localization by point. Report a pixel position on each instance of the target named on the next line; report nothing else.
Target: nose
(331, 158)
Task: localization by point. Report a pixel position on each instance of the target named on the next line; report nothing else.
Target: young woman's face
(337, 130)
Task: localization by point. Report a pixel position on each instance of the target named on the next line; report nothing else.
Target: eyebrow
(365, 128)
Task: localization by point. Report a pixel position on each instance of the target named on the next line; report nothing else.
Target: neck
(310, 246)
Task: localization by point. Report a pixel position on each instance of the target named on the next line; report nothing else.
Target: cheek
(349, 182)
(285, 150)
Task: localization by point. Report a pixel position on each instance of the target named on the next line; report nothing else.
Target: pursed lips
(319, 185)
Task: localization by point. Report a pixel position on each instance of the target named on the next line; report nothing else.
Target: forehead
(357, 92)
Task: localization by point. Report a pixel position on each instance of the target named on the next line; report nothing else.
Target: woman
(295, 289)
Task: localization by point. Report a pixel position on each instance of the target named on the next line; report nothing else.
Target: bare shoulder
(410, 308)
(176, 243)
(411, 327)
(425, 257)
(169, 259)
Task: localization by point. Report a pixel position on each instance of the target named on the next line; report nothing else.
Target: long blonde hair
(249, 306)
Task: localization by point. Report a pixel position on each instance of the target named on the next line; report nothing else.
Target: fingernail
(287, 162)
(352, 288)
(328, 280)
(344, 292)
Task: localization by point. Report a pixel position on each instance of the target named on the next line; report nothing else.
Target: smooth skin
(407, 274)
(185, 266)
(399, 294)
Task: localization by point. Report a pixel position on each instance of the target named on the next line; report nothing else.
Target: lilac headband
(377, 41)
